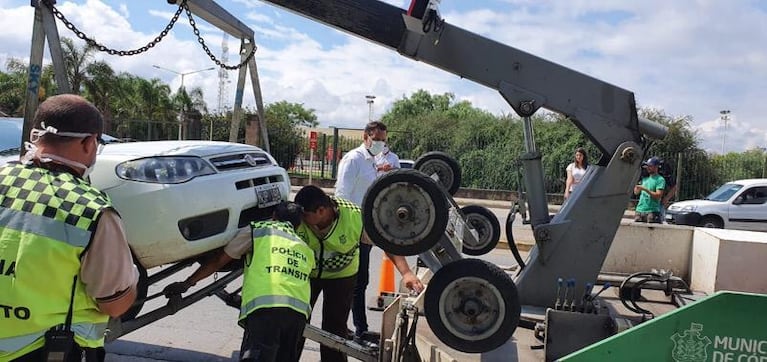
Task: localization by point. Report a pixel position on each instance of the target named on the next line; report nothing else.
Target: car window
(724, 192)
(753, 196)
(10, 133)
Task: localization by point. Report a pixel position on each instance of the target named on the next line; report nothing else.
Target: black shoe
(374, 337)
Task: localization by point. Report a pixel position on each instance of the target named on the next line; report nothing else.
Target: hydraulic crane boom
(574, 243)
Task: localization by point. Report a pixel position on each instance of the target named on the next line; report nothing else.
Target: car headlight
(163, 170)
(690, 208)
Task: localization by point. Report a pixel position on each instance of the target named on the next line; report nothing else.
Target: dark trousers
(272, 334)
(77, 355)
(358, 304)
(336, 303)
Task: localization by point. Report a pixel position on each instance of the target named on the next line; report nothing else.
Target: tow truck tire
(446, 168)
(489, 229)
(472, 306)
(142, 288)
(405, 212)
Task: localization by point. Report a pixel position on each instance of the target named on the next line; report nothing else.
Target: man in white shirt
(356, 173)
(386, 161)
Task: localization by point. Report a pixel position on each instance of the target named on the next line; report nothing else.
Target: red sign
(313, 140)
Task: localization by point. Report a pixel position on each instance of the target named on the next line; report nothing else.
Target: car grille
(253, 182)
(241, 161)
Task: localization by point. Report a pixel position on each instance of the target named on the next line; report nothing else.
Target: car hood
(174, 148)
(697, 203)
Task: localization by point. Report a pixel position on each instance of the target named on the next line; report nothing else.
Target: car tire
(405, 212)
(713, 222)
(472, 305)
(445, 167)
(488, 228)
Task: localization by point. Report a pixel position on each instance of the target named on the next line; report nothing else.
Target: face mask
(45, 157)
(376, 147)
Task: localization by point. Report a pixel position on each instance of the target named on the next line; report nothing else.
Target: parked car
(179, 199)
(738, 204)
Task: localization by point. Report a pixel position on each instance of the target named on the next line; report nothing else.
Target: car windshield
(10, 134)
(724, 192)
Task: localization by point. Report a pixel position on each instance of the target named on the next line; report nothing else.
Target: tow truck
(471, 305)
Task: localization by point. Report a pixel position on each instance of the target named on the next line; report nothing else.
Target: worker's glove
(176, 288)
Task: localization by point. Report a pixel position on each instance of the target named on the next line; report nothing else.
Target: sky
(688, 58)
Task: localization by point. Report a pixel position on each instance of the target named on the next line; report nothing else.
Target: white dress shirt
(356, 172)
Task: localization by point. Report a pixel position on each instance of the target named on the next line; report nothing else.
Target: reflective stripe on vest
(272, 300)
(82, 330)
(44, 226)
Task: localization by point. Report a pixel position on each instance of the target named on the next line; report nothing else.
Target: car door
(750, 211)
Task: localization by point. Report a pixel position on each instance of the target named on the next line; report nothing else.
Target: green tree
(76, 60)
(285, 137)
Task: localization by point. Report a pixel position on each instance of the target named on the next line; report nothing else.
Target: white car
(180, 199)
(738, 204)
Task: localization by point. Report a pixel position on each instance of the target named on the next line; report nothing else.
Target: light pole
(183, 75)
(725, 117)
(370, 100)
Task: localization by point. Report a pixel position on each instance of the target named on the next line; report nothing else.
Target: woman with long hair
(576, 170)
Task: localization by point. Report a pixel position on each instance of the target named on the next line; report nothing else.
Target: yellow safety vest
(338, 252)
(47, 219)
(276, 270)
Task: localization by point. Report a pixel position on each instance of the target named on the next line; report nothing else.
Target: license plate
(268, 195)
(669, 216)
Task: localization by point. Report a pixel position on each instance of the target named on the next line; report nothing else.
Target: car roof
(750, 181)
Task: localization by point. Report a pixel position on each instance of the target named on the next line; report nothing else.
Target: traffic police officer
(65, 265)
(275, 290)
(333, 228)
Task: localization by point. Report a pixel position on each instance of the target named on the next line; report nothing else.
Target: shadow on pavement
(136, 351)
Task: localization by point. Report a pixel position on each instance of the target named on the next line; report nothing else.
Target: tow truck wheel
(142, 288)
(405, 212)
(444, 166)
(472, 306)
(487, 226)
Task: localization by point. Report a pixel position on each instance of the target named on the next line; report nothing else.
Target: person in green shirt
(650, 191)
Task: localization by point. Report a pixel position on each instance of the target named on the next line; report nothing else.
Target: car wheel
(712, 222)
(445, 167)
(472, 306)
(487, 226)
(141, 292)
(405, 212)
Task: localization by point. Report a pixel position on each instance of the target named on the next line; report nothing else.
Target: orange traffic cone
(386, 292)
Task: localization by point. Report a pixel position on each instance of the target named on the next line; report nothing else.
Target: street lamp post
(370, 100)
(725, 117)
(183, 75)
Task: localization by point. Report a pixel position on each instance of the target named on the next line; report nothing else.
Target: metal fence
(697, 174)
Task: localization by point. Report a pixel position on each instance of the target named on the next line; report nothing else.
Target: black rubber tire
(142, 288)
(444, 166)
(489, 229)
(426, 218)
(443, 301)
(713, 222)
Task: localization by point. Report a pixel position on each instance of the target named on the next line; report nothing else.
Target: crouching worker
(275, 288)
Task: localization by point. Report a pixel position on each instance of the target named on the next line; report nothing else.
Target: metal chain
(181, 7)
(100, 47)
(207, 50)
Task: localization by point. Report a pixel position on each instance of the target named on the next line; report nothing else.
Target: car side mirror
(738, 200)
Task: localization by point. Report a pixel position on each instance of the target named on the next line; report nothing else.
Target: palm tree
(76, 61)
(99, 87)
